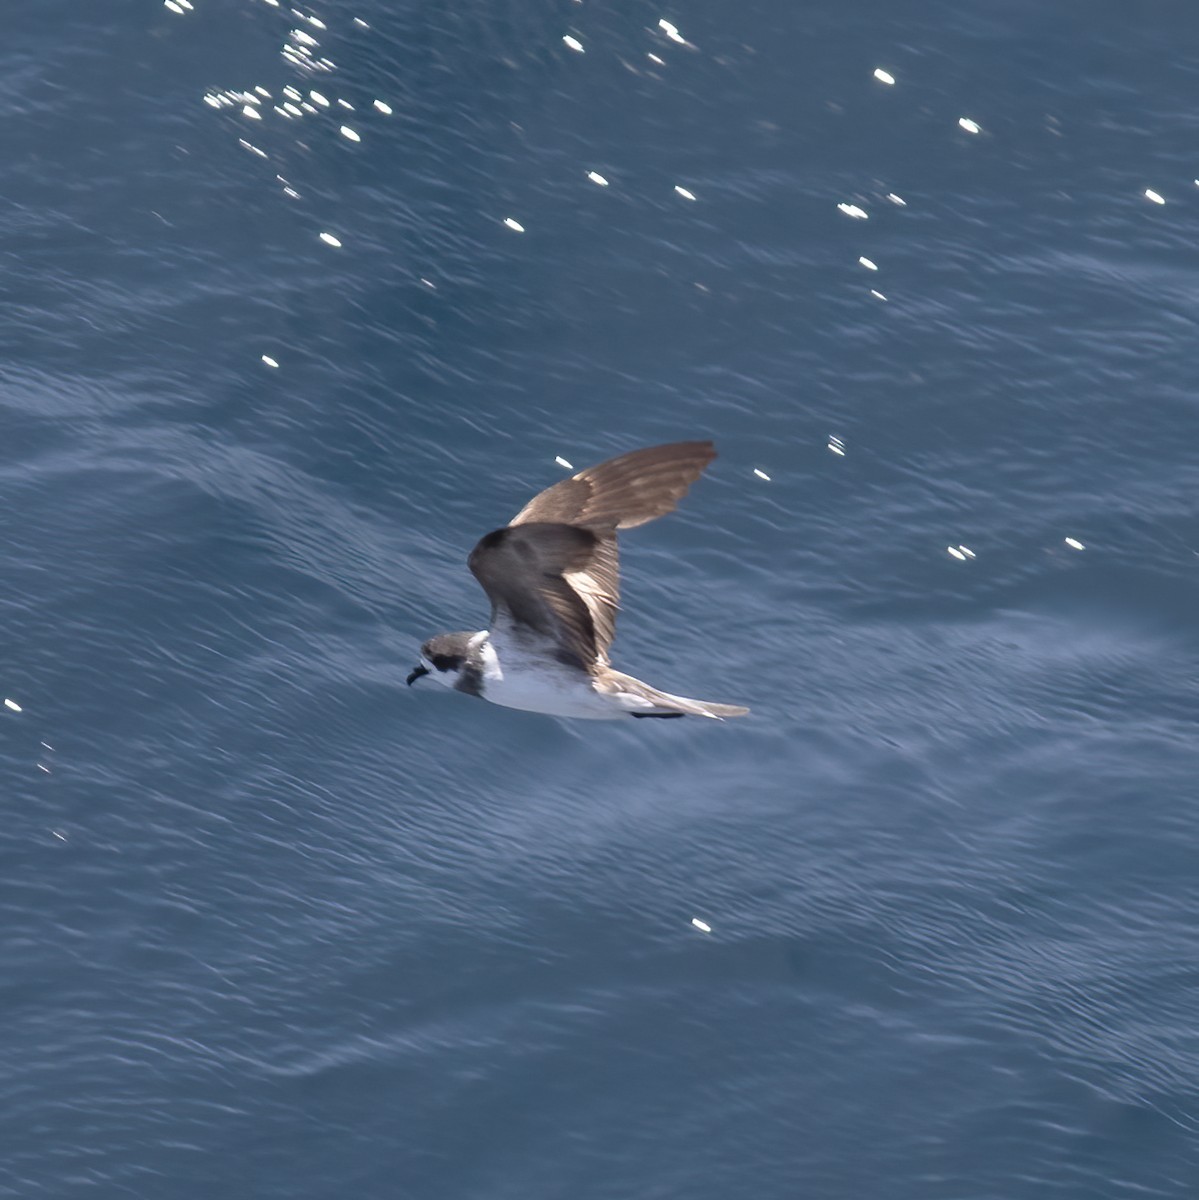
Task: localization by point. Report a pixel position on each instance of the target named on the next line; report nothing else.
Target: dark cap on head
(446, 651)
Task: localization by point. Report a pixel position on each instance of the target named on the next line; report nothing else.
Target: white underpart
(517, 673)
(516, 677)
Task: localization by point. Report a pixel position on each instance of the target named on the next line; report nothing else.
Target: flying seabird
(552, 575)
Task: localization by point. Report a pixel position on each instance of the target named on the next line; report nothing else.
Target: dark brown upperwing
(525, 570)
(623, 492)
(557, 568)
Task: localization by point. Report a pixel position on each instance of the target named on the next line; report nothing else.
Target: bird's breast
(519, 675)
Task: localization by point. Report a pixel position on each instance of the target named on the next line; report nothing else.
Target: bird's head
(444, 658)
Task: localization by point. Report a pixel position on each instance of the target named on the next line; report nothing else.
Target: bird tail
(640, 700)
(683, 706)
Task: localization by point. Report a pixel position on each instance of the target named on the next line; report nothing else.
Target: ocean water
(273, 925)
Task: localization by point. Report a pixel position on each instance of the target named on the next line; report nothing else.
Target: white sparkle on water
(761, 474)
(346, 104)
(883, 76)
(1075, 544)
(1156, 197)
(385, 109)
(852, 210)
(682, 191)
(877, 294)
(671, 32)
(361, 23)
(956, 553)
(969, 126)
(317, 98)
(172, 6)
(596, 177)
(250, 111)
(573, 43)
(702, 926)
(270, 362)
(12, 704)
(868, 264)
(897, 200)
(305, 39)
(514, 225)
(330, 240)
(350, 134)
(662, 62)
(563, 463)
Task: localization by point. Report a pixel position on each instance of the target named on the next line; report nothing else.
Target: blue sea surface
(273, 925)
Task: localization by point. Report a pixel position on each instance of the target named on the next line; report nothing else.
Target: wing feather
(623, 492)
(525, 572)
(556, 567)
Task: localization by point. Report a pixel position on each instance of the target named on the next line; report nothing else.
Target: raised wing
(556, 567)
(623, 492)
(525, 571)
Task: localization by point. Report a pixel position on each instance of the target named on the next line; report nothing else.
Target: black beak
(416, 674)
